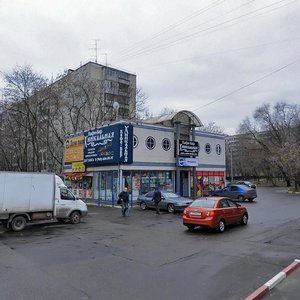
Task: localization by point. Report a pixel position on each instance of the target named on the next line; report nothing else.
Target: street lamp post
(231, 169)
(42, 151)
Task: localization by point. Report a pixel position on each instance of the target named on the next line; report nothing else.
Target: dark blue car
(236, 191)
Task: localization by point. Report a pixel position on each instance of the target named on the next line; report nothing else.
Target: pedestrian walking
(124, 197)
(157, 198)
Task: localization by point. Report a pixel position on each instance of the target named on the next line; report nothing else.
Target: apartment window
(166, 144)
(150, 142)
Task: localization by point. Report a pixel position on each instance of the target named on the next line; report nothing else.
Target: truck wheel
(18, 223)
(75, 217)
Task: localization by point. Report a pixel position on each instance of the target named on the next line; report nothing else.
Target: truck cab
(69, 207)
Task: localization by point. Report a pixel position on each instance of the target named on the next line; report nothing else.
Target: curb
(108, 205)
(265, 289)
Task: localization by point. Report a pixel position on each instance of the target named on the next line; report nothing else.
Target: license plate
(195, 213)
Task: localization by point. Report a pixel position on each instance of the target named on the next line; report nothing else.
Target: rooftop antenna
(96, 49)
(105, 59)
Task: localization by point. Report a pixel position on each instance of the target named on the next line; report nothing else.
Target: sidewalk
(284, 285)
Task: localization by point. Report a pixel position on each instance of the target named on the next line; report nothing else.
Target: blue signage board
(109, 145)
(187, 162)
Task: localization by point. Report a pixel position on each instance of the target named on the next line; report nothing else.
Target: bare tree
(275, 132)
(166, 111)
(213, 128)
(142, 110)
(22, 106)
(78, 103)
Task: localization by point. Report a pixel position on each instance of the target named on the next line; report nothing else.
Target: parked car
(214, 212)
(248, 184)
(237, 191)
(170, 202)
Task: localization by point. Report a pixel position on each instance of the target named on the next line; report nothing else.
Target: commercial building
(170, 151)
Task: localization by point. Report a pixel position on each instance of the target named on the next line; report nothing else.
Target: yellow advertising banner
(73, 150)
(78, 167)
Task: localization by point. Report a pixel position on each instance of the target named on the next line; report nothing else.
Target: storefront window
(96, 185)
(153, 180)
(145, 188)
(102, 186)
(144, 182)
(126, 180)
(115, 186)
(80, 185)
(169, 185)
(161, 180)
(136, 184)
(209, 181)
(108, 184)
(87, 184)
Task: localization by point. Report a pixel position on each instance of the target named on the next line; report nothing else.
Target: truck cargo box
(20, 191)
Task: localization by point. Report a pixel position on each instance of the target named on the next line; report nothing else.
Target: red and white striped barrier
(264, 289)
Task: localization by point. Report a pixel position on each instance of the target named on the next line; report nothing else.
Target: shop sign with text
(188, 148)
(78, 167)
(109, 145)
(73, 149)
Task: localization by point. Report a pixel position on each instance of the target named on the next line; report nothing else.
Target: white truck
(29, 197)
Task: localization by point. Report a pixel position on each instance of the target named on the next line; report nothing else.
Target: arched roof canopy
(184, 117)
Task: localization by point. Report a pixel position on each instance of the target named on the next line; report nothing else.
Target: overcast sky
(220, 59)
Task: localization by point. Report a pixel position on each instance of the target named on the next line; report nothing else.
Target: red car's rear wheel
(244, 219)
(190, 227)
(221, 226)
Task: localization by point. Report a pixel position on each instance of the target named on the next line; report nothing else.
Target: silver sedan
(170, 202)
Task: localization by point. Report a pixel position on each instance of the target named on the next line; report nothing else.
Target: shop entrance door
(184, 183)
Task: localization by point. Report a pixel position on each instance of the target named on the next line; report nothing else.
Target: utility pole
(231, 169)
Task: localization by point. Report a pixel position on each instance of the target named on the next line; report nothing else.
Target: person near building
(157, 198)
(124, 201)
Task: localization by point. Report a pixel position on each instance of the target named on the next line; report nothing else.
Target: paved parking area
(149, 256)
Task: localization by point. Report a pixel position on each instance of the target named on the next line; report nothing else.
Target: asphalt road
(148, 256)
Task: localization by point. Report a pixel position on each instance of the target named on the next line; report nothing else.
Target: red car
(214, 212)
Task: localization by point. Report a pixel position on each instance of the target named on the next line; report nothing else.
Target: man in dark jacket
(157, 198)
(124, 201)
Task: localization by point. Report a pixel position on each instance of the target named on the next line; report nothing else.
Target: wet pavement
(148, 256)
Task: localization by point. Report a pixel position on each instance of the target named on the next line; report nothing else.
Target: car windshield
(204, 203)
(170, 195)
